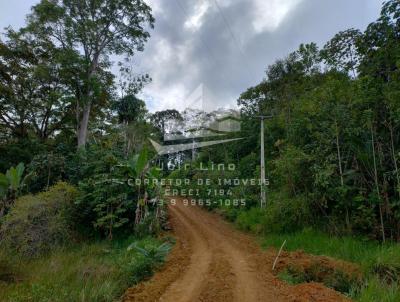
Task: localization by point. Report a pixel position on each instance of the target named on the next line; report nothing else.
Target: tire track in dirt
(214, 262)
(190, 284)
(244, 286)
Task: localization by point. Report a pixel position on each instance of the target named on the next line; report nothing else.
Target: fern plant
(155, 254)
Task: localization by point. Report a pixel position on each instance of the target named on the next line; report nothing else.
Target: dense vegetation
(89, 271)
(332, 143)
(332, 152)
(72, 134)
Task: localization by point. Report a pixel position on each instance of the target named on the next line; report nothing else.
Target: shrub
(150, 225)
(8, 270)
(287, 215)
(47, 169)
(109, 205)
(230, 213)
(148, 257)
(38, 223)
(251, 220)
(106, 204)
(291, 169)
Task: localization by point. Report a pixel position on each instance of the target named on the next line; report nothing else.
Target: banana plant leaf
(138, 163)
(4, 184)
(14, 176)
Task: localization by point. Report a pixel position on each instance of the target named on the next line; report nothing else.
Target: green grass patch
(380, 264)
(95, 272)
(291, 276)
(375, 290)
(332, 277)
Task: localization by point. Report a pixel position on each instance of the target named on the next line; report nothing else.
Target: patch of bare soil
(315, 292)
(307, 262)
(214, 262)
(336, 274)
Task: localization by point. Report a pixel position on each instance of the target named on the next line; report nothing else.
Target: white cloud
(155, 6)
(192, 45)
(159, 97)
(270, 13)
(196, 20)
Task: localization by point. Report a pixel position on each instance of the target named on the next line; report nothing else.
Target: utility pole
(262, 185)
(193, 151)
(263, 197)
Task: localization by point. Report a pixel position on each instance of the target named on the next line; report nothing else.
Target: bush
(287, 215)
(282, 215)
(147, 257)
(106, 205)
(38, 223)
(46, 169)
(251, 220)
(148, 226)
(291, 170)
(8, 270)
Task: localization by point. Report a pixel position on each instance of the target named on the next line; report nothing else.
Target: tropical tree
(96, 29)
(32, 95)
(131, 113)
(160, 119)
(342, 53)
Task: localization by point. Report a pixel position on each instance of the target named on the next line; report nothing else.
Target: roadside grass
(98, 272)
(380, 264)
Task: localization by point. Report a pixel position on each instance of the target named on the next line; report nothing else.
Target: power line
(233, 37)
(186, 15)
(235, 40)
(227, 24)
(207, 48)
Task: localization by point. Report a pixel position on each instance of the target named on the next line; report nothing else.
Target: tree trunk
(83, 126)
(377, 184)
(84, 120)
(341, 175)
(396, 169)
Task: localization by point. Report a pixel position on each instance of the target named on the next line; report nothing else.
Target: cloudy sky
(218, 48)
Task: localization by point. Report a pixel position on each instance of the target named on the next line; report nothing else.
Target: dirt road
(213, 262)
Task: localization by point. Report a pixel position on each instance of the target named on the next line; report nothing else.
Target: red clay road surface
(212, 261)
